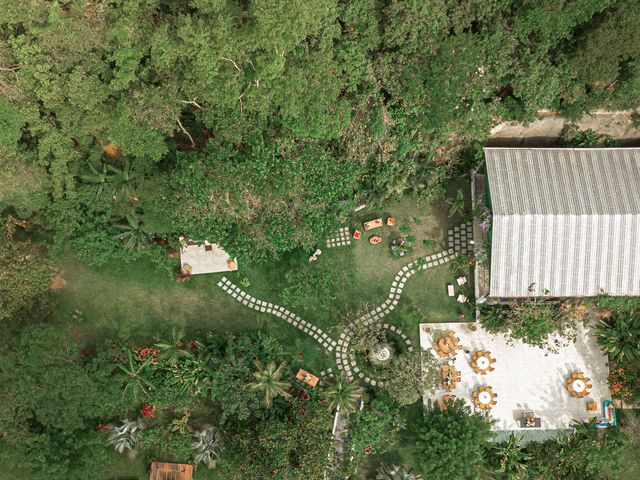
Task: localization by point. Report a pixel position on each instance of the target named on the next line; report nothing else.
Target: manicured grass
(136, 300)
(629, 460)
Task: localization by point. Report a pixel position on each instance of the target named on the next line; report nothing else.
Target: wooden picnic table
(307, 378)
(371, 224)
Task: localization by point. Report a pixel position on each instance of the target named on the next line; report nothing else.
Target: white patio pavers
(528, 378)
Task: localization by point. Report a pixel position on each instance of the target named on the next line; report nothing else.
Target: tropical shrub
(624, 382)
(509, 459)
(206, 447)
(126, 437)
(375, 429)
(161, 444)
(344, 395)
(295, 445)
(451, 442)
(534, 322)
(411, 375)
(587, 454)
(619, 336)
(396, 472)
(25, 279)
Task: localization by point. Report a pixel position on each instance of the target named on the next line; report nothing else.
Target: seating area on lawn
(518, 385)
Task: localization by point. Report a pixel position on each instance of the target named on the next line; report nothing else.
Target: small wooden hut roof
(170, 471)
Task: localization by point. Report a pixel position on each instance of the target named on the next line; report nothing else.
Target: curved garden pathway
(458, 240)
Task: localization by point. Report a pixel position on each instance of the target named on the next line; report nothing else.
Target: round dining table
(578, 385)
(483, 363)
(484, 398)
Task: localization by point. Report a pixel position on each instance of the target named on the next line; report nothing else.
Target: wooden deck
(170, 471)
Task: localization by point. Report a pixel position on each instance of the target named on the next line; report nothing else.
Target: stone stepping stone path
(340, 238)
(460, 236)
(280, 312)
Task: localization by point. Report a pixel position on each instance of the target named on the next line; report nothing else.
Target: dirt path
(545, 130)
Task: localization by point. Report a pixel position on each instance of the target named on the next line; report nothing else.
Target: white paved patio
(527, 378)
(206, 258)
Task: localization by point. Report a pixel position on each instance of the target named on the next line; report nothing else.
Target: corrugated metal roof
(566, 221)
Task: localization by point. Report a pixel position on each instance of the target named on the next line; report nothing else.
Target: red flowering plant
(624, 383)
(147, 410)
(145, 352)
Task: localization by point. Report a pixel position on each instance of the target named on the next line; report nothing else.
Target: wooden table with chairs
(449, 377)
(578, 385)
(484, 398)
(447, 345)
(371, 224)
(482, 362)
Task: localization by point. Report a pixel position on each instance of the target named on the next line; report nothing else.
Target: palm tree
(344, 395)
(206, 446)
(126, 437)
(619, 337)
(122, 178)
(510, 458)
(98, 177)
(175, 350)
(133, 234)
(269, 381)
(456, 204)
(137, 385)
(396, 472)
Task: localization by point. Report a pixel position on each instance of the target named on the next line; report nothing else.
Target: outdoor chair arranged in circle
(484, 398)
(578, 385)
(447, 345)
(482, 362)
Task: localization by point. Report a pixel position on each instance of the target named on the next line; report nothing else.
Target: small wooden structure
(170, 471)
(307, 378)
(371, 224)
(391, 222)
(375, 239)
(357, 234)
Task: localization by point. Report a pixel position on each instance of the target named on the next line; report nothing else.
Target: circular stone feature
(381, 354)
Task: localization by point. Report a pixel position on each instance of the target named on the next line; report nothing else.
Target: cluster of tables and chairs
(449, 377)
(484, 397)
(578, 385)
(447, 345)
(482, 362)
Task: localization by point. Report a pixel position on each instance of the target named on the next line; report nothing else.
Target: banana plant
(126, 437)
(99, 177)
(396, 472)
(207, 446)
(133, 233)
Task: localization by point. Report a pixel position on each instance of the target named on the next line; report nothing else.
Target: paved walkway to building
(458, 238)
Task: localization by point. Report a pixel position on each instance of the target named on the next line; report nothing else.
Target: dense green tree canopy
(254, 124)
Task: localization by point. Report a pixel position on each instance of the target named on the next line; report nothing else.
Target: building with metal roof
(565, 222)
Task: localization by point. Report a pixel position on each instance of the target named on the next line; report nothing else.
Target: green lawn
(140, 302)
